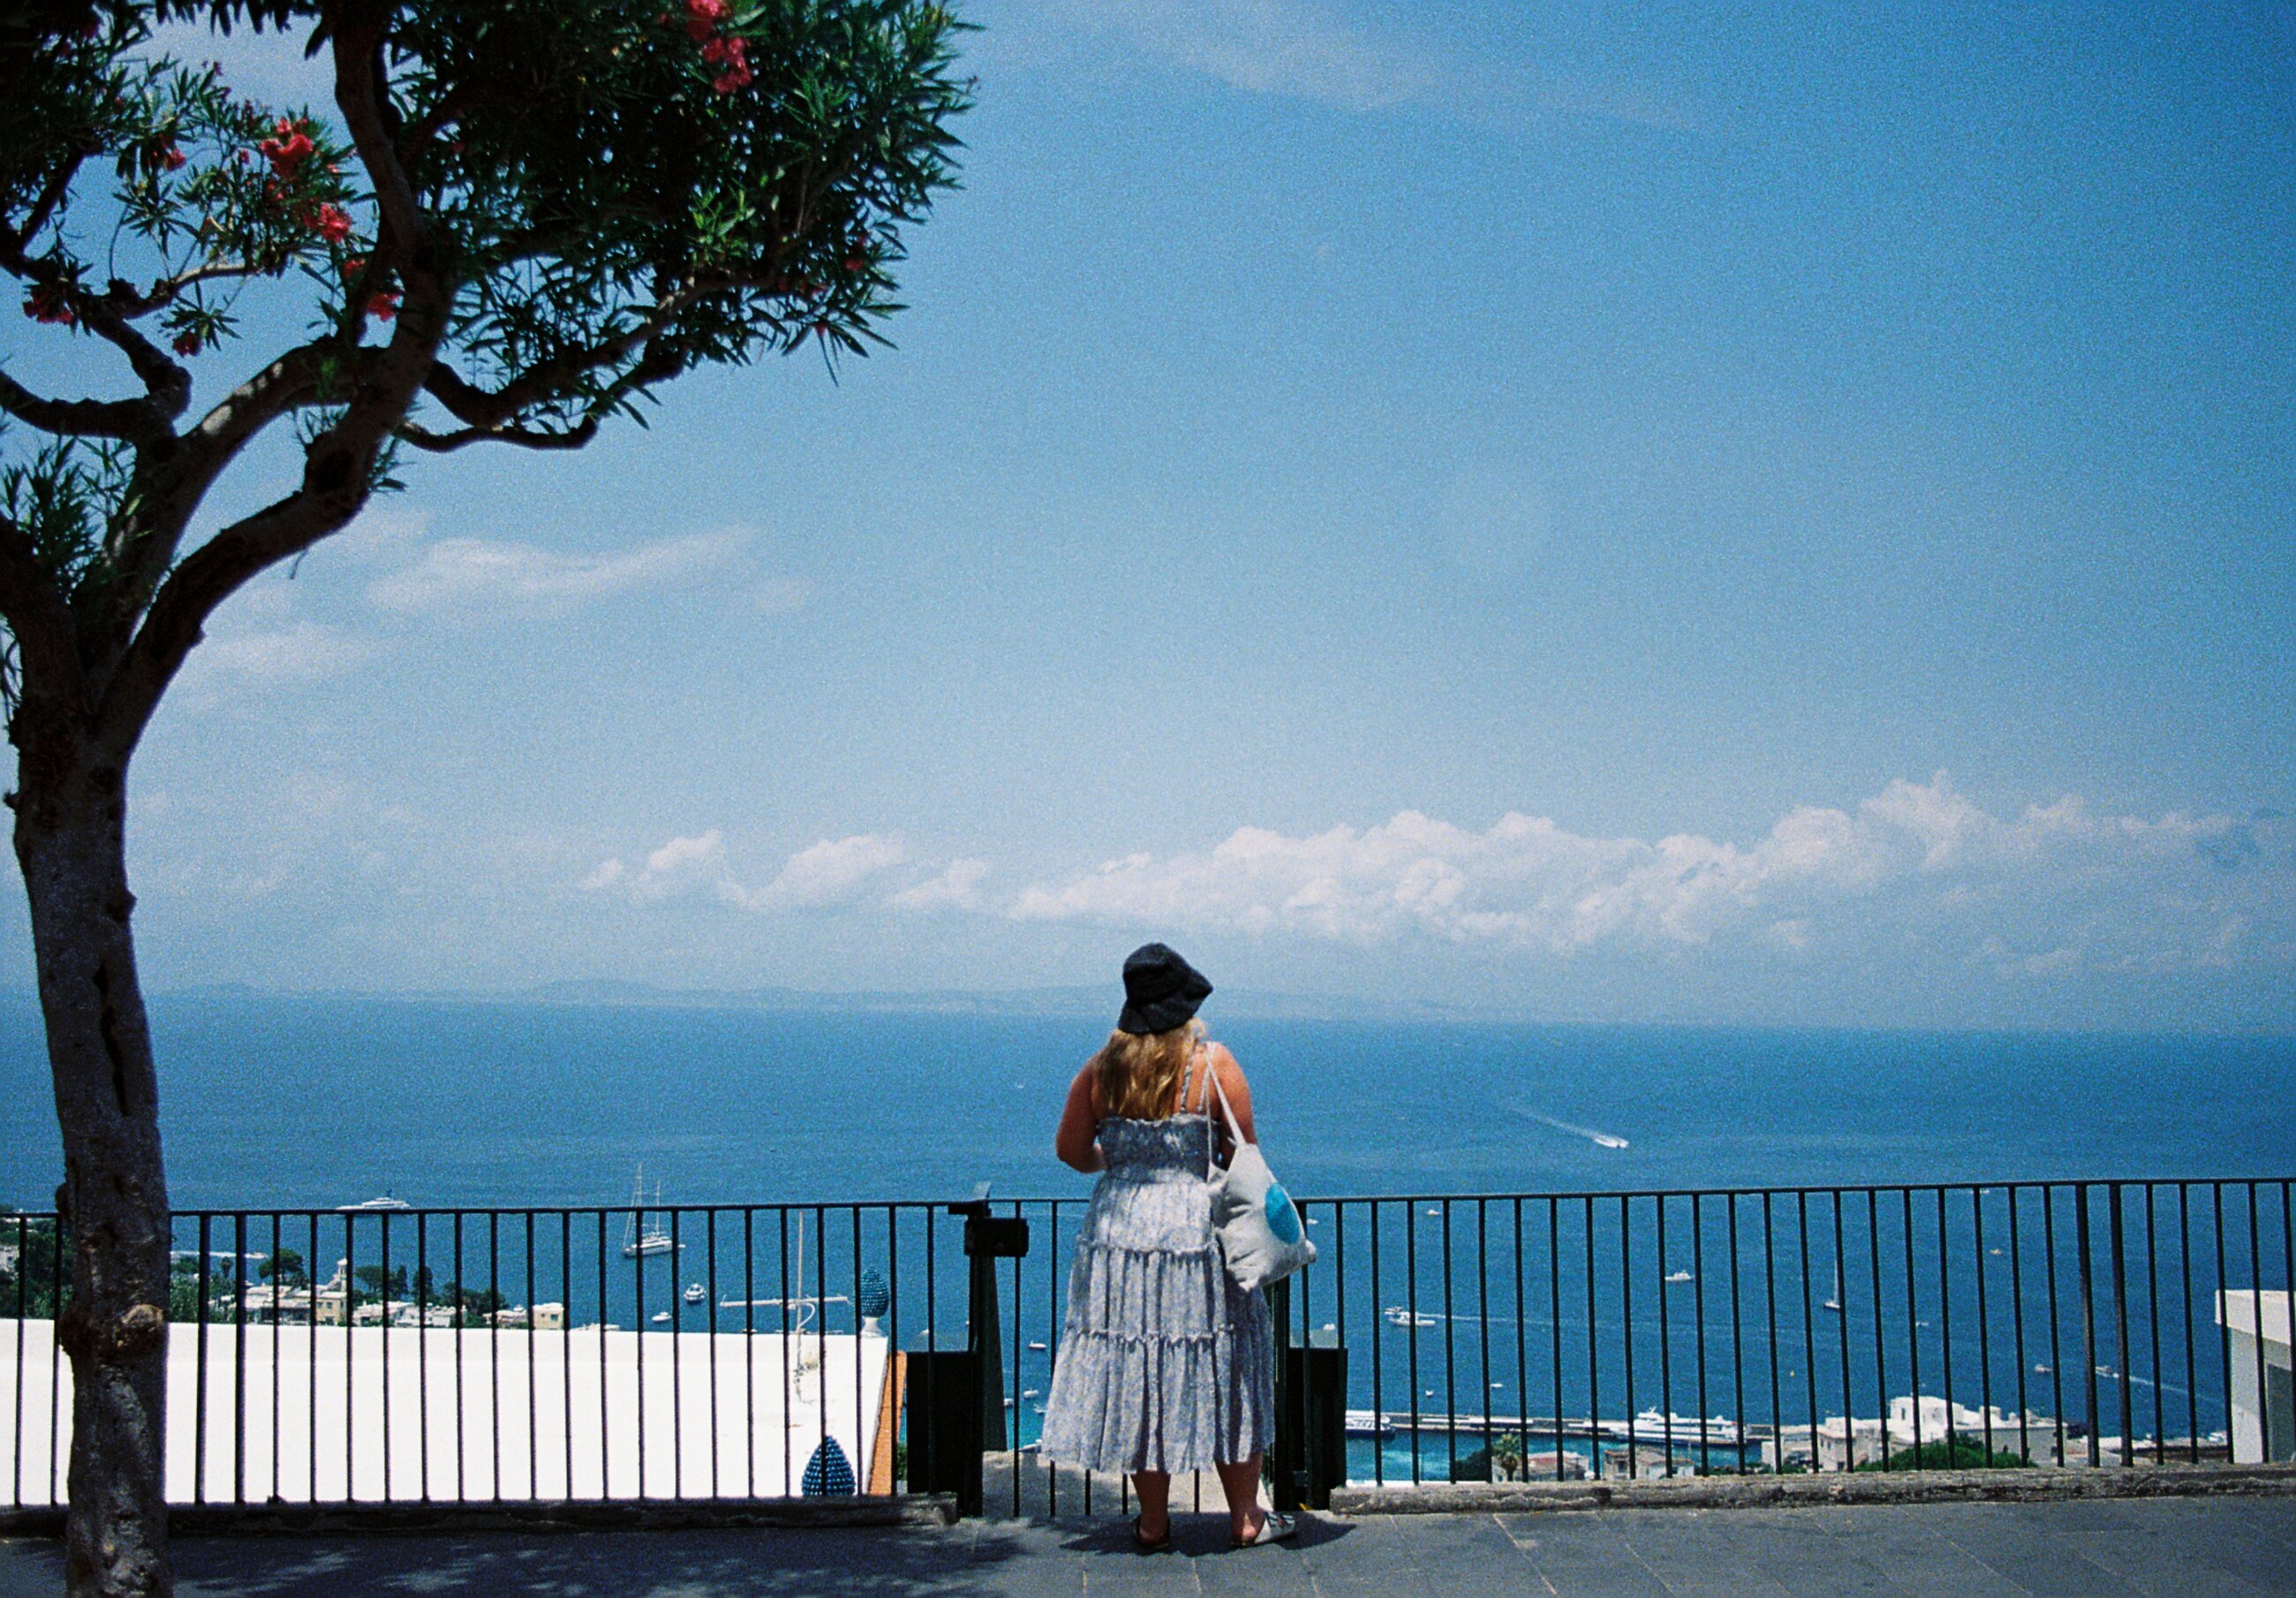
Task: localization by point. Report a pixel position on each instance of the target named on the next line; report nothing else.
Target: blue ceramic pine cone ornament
(828, 1475)
(876, 1297)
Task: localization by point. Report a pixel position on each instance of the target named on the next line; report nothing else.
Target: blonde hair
(1140, 1076)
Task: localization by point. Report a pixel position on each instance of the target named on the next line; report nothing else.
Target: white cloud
(1310, 50)
(1268, 46)
(471, 575)
(681, 863)
(681, 853)
(256, 644)
(836, 870)
(957, 888)
(781, 595)
(2056, 889)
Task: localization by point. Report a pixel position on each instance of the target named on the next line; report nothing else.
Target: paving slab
(2216, 1547)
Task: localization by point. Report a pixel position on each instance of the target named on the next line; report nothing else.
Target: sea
(275, 1104)
(291, 1102)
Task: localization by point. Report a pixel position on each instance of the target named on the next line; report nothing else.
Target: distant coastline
(1089, 1002)
(608, 993)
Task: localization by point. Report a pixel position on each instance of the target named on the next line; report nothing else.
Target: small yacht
(640, 1237)
(1035, 1347)
(1678, 1276)
(695, 1293)
(661, 1317)
(1032, 1392)
(1401, 1315)
(384, 1202)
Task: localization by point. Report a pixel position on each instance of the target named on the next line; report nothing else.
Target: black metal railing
(738, 1352)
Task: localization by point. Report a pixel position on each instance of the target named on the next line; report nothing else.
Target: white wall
(484, 1411)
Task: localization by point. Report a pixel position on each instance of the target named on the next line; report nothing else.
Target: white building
(473, 1413)
(2267, 1430)
(1843, 1443)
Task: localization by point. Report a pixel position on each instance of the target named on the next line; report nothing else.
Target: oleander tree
(514, 224)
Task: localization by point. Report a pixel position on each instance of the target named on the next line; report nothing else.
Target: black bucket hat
(1161, 991)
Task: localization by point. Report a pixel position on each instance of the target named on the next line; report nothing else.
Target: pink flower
(45, 303)
(330, 222)
(734, 55)
(703, 16)
(382, 307)
(187, 343)
(173, 159)
(286, 151)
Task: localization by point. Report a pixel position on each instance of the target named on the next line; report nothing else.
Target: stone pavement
(2176, 1548)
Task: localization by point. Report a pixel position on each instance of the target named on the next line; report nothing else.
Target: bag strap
(1234, 1132)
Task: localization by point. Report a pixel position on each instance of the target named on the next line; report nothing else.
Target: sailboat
(649, 1239)
(1835, 1303)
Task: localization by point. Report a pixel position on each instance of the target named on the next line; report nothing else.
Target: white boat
(1036, 1348)
(650, 1238)
(1400, 1315)
(661, 1316)
(384, 1202)
(1032, 1392)
(695, 1293)
(1678, 1276)
(1603, 1140)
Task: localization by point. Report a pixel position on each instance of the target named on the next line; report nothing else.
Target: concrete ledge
(388, 1520)
(1876, 1486)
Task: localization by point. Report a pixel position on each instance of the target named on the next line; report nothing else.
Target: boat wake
(1601, 1140)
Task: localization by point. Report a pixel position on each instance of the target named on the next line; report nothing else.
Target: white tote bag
(1258, 1223)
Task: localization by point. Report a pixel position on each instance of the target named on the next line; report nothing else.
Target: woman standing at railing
(1165, 1365)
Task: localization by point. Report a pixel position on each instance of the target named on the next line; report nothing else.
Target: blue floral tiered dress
(1164, 1364)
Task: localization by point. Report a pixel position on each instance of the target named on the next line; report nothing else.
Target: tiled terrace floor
(2174, 1548)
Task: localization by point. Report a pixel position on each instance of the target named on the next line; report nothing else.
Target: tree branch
(359, 76)
(130, 419)
(210, 575)
(51, 196)
(485, 409)
(336, 464)
(177, 485)
(167, 384)
(38, 618)
(166, 289)
(573, 438)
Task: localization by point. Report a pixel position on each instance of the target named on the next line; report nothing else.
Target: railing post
(988, 1239)
(1286, 1478)
(1310, 1456)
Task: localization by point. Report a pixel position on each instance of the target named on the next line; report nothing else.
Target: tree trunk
(70, 839)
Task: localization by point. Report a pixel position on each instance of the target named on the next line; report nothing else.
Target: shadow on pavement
(1193, 1536)
(897, 1563)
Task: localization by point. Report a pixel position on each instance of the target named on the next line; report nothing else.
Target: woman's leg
(1241, 1482)
(1155, 1490)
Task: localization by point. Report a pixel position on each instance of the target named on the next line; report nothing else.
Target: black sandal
(1141, 1545)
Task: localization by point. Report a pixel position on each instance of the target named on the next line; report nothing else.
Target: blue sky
(1738, 514)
